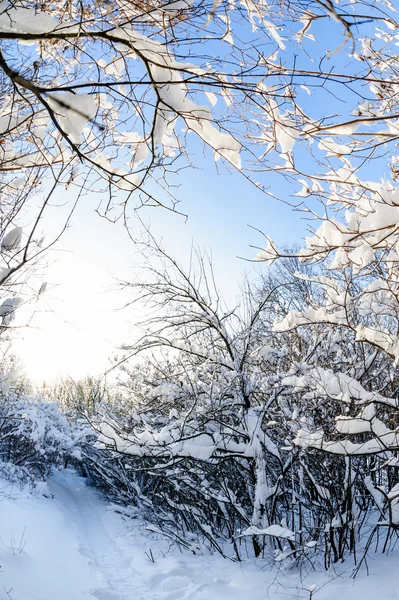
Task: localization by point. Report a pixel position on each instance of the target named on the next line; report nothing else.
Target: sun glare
(56, 351)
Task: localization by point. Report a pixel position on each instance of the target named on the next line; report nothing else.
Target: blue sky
(77, 327)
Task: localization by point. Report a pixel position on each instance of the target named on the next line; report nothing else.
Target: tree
(105, 86)
(102, 96)
(80, 397)
(203, 439)
(191, 428)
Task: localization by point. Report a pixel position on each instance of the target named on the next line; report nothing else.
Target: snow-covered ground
(75, 546)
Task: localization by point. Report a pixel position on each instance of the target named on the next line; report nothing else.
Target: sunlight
(58, 350)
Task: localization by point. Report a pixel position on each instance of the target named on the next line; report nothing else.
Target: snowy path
(84, 511)
(118, 562)
(74, 546)
(78, 548)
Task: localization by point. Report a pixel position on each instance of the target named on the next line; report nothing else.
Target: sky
(79, 322)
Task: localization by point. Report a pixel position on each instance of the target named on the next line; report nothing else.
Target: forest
(264, 427)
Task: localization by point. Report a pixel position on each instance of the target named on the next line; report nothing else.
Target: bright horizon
(78, 324)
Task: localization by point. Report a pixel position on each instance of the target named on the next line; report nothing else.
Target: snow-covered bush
(203, 440)
(346, 422)
(251, 436)
(34, 437)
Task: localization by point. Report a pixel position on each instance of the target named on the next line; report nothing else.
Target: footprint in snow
(172, 584)
(105, 595)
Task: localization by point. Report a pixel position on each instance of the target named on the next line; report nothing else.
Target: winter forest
(236, 446)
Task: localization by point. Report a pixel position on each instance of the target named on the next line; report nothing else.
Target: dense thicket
(234, 428)
(255, 429)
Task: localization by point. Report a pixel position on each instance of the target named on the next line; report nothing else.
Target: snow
(387, 441)
(9, 306)
(273, 530)
(12, 239)
(73, 110)
(71, 544)
(336, 385)
(311, 315)
(25, 20)
(177, 5)
(174, 98)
